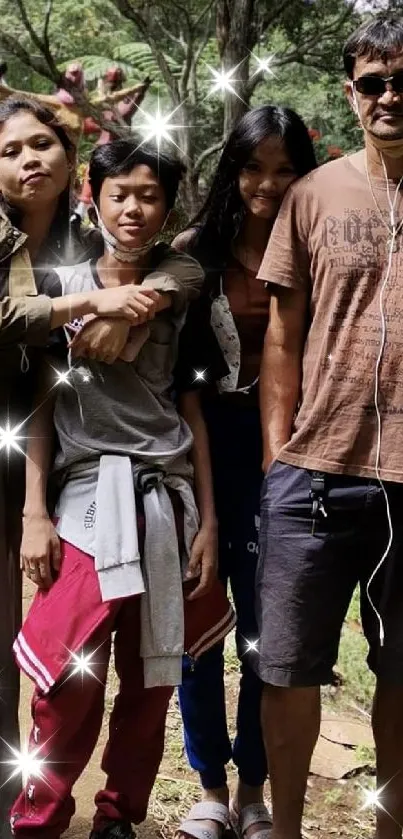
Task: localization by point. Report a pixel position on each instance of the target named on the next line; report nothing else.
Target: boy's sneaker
(114, 830)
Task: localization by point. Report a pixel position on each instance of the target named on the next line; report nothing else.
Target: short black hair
(121, 156)
(380, 39)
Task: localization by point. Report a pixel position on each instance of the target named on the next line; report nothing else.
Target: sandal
(247, 816)
(200, 812)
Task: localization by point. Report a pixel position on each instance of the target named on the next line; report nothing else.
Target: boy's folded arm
(178, 274)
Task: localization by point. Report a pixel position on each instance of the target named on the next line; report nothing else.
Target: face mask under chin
(120, 252)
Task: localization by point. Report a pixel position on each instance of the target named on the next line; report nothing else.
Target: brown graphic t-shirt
(329, 239)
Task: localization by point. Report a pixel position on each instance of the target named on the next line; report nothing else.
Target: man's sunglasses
(376, 85)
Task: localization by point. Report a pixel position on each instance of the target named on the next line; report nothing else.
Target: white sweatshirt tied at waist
(97, 513)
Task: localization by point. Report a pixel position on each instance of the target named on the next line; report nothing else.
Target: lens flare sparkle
(251, 645)
(26, 763)
(264, 65)
(62, 377)
(223, 80)
(9, 437)
(158, 127)
(82, 664)
(373, 800)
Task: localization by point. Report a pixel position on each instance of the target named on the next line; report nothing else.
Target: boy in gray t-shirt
(126, 516)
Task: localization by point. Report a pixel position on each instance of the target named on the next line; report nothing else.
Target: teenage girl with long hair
(268, 149)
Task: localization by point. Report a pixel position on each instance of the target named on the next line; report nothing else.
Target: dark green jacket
(25, 316)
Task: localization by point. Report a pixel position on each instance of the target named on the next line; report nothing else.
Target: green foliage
(140, 57)
(316, 93)
(359, 682)
(134, 57)
(305, 37)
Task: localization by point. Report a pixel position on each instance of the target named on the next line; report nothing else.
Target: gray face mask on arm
(224, 328)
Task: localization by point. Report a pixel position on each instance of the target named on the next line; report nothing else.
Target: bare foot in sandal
(249, 816)
(209, 818)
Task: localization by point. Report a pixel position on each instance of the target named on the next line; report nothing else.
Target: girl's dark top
(249, 302)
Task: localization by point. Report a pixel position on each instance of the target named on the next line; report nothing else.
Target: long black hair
(60, 229)
(219, 220)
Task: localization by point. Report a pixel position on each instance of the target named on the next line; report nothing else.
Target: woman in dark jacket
(36, 165)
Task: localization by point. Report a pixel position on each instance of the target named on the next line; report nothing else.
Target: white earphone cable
(394, 230)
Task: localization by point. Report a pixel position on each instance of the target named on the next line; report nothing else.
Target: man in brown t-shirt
(332, 414)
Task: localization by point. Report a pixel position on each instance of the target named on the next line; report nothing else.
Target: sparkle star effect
(62, 377)
(82, 664)
(25, 763)
(224, 80)
(200, 375)
(251, 645)
(373, 799)
(264, 65)
(9, 437)
(158, 126)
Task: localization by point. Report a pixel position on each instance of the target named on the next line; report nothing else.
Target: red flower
(314, 134)
(334, 151)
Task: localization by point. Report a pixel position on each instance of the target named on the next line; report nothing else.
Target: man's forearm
(280, 382)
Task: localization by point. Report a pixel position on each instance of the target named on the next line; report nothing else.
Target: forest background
(284, 52)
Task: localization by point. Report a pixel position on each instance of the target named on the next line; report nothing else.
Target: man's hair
(379, 39)
(121, 156)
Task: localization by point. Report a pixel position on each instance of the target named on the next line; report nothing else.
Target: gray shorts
(307, 575)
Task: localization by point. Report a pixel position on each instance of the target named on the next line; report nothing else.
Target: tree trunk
(190, 193)
(236, 37)
(236, 105)
(190, 183)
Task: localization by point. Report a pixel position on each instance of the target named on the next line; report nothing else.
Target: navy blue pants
(235, 440)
